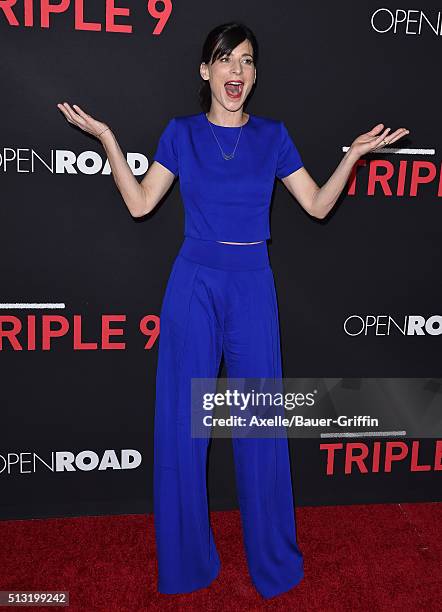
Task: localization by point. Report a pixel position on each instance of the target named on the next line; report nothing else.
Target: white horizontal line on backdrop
(33, 305)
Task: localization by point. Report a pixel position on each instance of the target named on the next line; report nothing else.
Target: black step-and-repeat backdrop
(82, 281)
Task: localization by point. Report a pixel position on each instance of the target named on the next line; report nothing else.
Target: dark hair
(220, 41)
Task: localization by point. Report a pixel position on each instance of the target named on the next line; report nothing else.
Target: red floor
(374, 558)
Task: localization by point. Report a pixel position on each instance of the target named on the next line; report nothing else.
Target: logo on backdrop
(379, 457)
(45, 332)
(406, 21)
(343, 458)
(387, 325)
(46, 15)
(407, 178)
(67, 461)
(63, 161)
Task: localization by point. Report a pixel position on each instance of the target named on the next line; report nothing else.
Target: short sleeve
(167, 149)
(289, 158)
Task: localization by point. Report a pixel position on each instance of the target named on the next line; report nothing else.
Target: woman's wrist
(352, 154)
(105, 136)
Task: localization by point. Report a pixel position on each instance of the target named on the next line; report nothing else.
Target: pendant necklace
(226, 156)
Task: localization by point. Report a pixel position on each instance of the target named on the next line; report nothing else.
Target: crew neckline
(227, 127)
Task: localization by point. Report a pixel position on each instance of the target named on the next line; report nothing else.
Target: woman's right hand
(84, 121)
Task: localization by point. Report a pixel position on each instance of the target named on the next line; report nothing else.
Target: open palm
(82, 120)
(375, 138)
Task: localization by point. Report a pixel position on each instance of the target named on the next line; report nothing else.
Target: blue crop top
(227, 200)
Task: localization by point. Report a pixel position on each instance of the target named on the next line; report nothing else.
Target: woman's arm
(318, 201)
(140, 198)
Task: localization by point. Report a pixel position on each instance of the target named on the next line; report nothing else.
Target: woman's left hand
(375, 138)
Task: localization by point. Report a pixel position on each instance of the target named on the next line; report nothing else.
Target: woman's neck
(231, 120)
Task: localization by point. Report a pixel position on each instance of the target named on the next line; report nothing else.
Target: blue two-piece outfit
(221, 299)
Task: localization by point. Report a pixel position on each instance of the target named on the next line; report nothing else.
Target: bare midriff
(259, 241)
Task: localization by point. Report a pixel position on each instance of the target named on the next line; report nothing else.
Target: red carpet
(378, 557)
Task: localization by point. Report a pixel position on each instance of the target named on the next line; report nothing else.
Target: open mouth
(234, 88)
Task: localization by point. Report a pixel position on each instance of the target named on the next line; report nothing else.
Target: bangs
(227, 42)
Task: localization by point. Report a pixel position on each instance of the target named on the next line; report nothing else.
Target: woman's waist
(227, 256)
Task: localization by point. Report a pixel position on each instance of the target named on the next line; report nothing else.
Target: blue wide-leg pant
(220, 299)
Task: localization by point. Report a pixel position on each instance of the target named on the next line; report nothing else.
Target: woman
(220, 299)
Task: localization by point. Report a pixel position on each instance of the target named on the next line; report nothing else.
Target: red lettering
(330, 448)
(438, 456)
(376, 456)
(5, 6)
(390, 456)
(10, 334)
(152, 333)
(46, 8)
(356, 453)
(162, 15)
(382, 179)
(386, 180)
(111, 11)
(31, 333)
(351, 458)
(414, 457)
(401, 178)
(352, 177)
(48, 333)
(416, 179)
(57, 326)
(29, 13)
(107, 331)
(80, 23)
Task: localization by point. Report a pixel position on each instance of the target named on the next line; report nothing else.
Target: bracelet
(102, 132)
